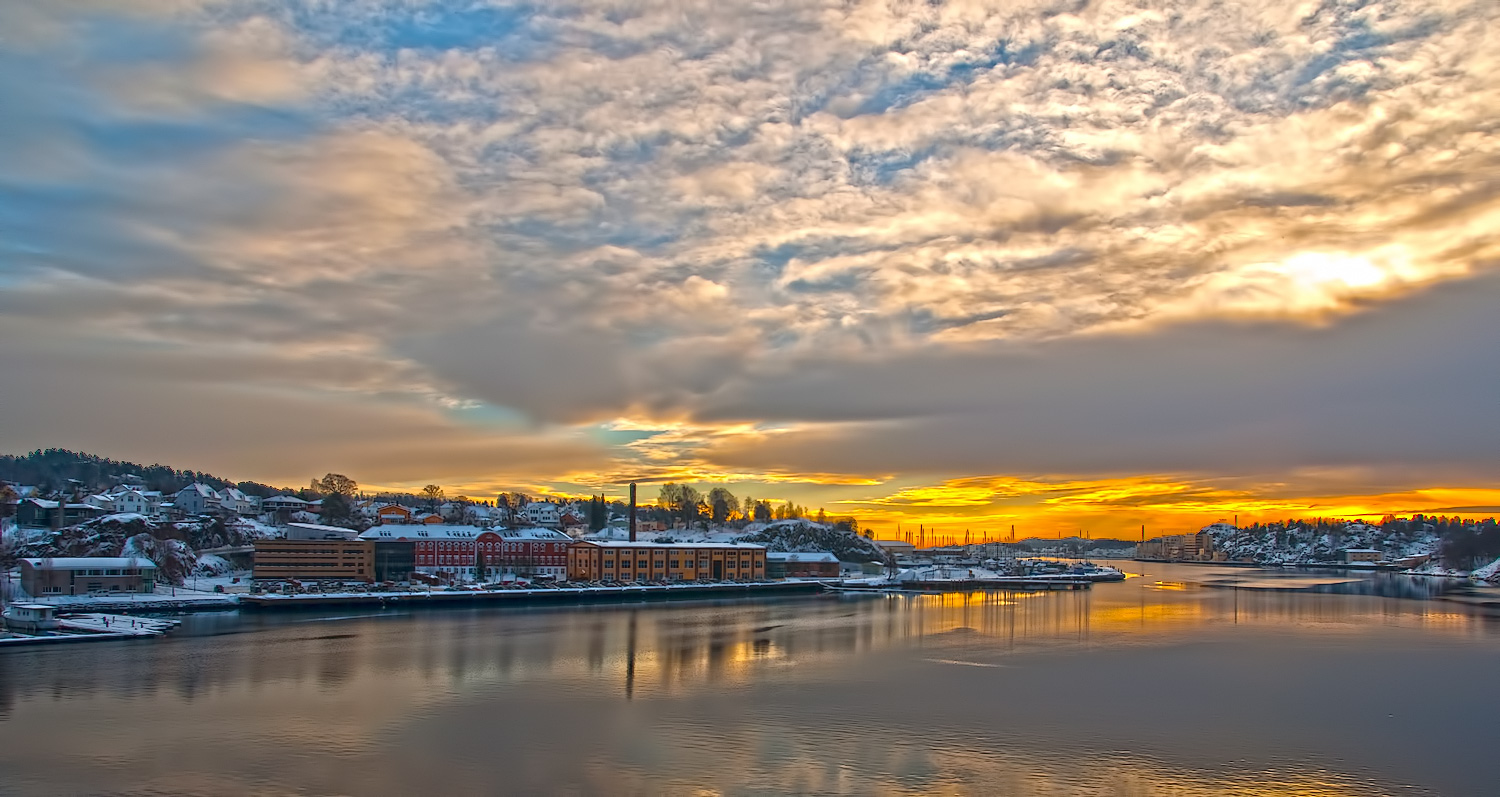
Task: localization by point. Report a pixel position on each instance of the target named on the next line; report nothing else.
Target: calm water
(1173, 683)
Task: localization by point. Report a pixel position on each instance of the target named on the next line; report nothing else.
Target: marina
(41, 624)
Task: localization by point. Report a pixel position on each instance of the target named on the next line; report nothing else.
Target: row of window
(299, 550)
(676, 564)
(490, 546)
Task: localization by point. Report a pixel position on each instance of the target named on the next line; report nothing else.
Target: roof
(423, 532)
(798, 556)
(648, 544)
(532, 534)
(1360, 550)
(201, 489)
(85, 562)
(318, 527)
(284, 499)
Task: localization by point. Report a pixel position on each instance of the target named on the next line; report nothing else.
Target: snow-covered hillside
(806, 536)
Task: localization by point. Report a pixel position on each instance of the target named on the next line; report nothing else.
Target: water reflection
(977, 693)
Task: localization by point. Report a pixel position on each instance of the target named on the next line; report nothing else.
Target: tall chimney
(632, 511)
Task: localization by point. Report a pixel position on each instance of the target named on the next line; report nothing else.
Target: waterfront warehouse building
(82, 575)
(784, 564)
(466, 553)
(609, 560)
(314, 560)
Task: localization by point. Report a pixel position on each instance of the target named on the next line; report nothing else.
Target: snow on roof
(797, 556)
(285, 499)
(1360, 550)
(649, 544)
(422, 532)
(87, 562)
(532, 534)
(201, 489)
(317, 527)
(43, 503)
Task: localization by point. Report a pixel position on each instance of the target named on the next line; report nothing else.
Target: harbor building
(897, 547)
(466, 553)
(83, 575)
(1178, 548)
(784, 564)
(314, 560)
(622, 560)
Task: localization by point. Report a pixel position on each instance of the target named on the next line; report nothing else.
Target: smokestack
(632, 511)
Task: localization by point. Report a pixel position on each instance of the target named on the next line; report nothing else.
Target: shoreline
(563, 595)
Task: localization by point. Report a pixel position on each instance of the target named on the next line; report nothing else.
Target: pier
(92, 627)
(554, 595)
(1018, 584)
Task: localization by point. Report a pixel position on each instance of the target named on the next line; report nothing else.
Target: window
(676, 564)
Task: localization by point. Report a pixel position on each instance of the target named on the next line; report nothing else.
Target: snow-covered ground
(1490, 572)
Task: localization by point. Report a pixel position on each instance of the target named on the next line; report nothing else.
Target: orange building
(343, 560)
(393, 513)
(600, 560)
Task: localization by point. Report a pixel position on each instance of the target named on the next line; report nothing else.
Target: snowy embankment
(1490, 572)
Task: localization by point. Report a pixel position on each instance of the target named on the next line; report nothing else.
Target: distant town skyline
(964, 265)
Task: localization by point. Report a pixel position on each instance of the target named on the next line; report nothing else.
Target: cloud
(1400, 391)
(961, 237)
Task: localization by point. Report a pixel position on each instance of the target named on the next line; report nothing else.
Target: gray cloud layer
(1094, 231)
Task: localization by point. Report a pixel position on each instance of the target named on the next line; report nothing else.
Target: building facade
(84, 575)
(314, 560)
(465, 553)
(41, 513)
(195, 499)
(783, 564)
(608, 560)
(1178, 548)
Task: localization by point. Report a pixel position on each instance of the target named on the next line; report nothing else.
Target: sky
(1064, 266)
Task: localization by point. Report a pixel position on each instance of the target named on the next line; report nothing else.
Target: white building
(235, 500)
(132, 501)
(276, 503)
(195, 499)
(544, 514)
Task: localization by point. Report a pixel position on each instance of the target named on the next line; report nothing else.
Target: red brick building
(459, 553)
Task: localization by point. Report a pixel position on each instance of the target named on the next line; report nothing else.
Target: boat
(31, 618)
(1094, 572)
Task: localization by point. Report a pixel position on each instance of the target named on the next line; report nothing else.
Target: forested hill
(51, 469)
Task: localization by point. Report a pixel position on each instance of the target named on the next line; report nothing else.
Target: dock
(1017, 584)
(518, 597)
(93, 627)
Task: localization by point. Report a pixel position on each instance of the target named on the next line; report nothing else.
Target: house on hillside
(393, 513)
(40, 513)
(278, 503)
(540, 513)
(132, 501)
(573, 525)
(232, 499)
(195, 499)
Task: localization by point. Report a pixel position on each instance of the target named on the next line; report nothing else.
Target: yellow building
(652, 561)
(304, 560)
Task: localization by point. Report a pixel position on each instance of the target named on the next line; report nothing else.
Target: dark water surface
(1184, 681)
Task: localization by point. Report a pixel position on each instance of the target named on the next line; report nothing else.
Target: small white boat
(30, 618)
